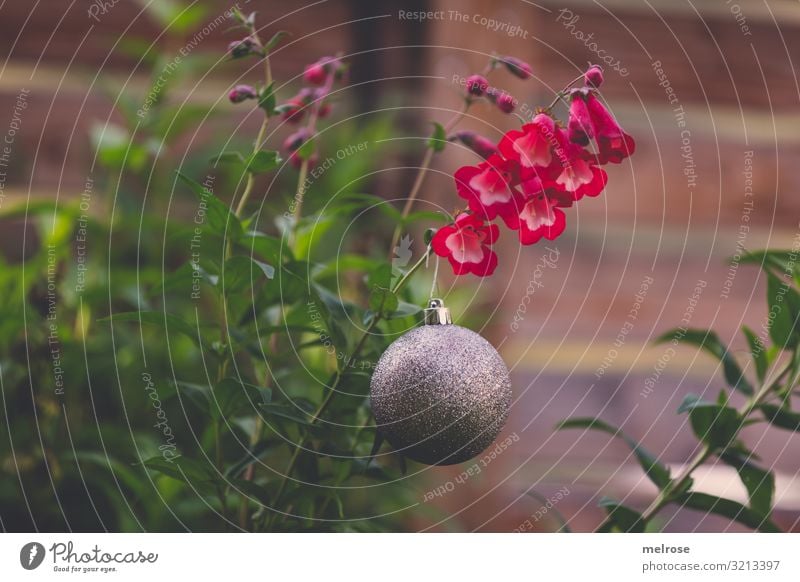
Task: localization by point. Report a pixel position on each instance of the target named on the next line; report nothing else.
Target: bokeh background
(715, 172)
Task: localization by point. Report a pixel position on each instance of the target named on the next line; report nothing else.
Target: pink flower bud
(315, 74)
(242, 93)
(324, 110)
(594, 76)
(296, 140)
(505, 101)
(477, 85)
(517, 67)
(477, 143)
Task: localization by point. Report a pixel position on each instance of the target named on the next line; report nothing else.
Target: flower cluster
(532, 174)
(311, 103)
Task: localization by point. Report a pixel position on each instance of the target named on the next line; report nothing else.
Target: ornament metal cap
(437, 314)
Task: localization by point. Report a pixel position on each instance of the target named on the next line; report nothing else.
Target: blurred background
(708, 88)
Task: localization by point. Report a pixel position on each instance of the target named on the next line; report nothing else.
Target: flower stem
(422, 172)
(561, 94)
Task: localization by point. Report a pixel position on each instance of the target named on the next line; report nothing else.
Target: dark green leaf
(710, 342)
(198, 475)
(620, 517)
(267, 99)
(727, 508)
(714, 424)
(759, 352)
(438, 139)
(760, 484)
(234, 397)
(781, 417)
(658, 473)
(383, 301)
(784, 310)
(217, 216)
(243, 272)
(166, 321)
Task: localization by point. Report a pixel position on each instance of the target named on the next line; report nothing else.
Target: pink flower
(580, 125)
(613, 143)
(477, 143)
(576, 171)
(531, 146)
(242, 93)
(517, 67)
(487, 186)
(477, 85)
(593, 76)
(466, 244)
(539, 217)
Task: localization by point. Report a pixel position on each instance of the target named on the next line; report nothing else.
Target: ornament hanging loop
(437, 314)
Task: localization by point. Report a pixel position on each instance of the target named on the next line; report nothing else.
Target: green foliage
(718, 425)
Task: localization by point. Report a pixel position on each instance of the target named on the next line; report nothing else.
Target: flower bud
(315, 73)
(594, 76)
(517, 67)
(477, 85)
(242, 93)
(242, 48)
(324, 110)
(476, 142)
(505, 101)
(296, 140)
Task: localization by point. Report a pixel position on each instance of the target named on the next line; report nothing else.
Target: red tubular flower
(466, 244)
(517, 67)
(477, 85)
(531, 146)
(539, 217)
(613, 143)
(477, 143)
(580, 125)
(242, 93)
(577, 173)
(488, 186)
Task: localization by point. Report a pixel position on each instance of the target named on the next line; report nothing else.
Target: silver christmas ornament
(440, 393)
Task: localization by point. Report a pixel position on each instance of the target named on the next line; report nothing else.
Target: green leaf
(784, 310)
(759, 352)
(714, 424)
(760, 484)
(163, 320)
(781, 417)
(234, 397)
(198, 475)
(263, 161)
(253, 490)
(306, 150)
(383, 301)
(276, 38)
(254, 453)
(727, 508)
(234, 158)
(217, 216)
(270, 248)
(267, 99)
(710, 342)
(658, 473)
(242, 273)
(438, 139)
(620, 517)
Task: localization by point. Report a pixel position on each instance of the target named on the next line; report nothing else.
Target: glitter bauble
(440, 393)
